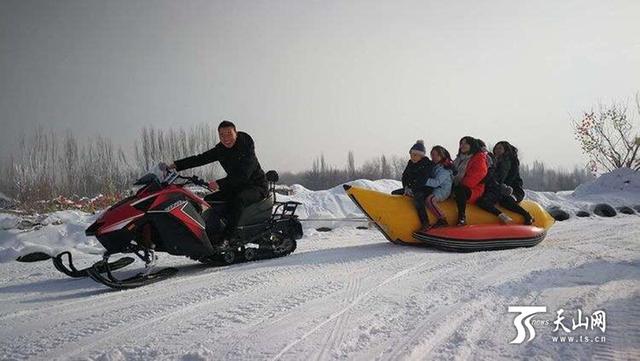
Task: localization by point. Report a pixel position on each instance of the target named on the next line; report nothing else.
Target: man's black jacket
(240, 163)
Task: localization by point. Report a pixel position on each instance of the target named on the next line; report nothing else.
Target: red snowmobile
(165, 216)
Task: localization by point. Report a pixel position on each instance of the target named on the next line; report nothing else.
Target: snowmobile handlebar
(172, 176)
(194, 179)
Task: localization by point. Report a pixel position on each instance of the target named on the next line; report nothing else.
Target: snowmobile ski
(139, 280)
(71, 270)
(33, 257)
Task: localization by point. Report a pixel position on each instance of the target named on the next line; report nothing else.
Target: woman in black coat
(507, 171)
(506, 184)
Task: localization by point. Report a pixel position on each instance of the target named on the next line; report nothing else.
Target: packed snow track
(344, 294)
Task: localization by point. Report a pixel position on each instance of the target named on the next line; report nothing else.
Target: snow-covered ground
(618, 188)
(344, 294)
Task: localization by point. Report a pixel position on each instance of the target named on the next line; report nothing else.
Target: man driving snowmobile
(163, 215)
(245, 182)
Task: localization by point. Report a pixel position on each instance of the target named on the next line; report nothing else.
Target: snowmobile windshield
(147, 179)
(154, 175)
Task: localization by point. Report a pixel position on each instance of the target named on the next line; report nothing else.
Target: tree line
(47, 164)
(536, 176)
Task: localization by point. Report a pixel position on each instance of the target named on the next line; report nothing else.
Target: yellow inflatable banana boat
(396, 217)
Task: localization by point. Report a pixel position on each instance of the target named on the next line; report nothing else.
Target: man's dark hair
(226, 124)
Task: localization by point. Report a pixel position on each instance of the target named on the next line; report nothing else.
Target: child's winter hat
(419, 147)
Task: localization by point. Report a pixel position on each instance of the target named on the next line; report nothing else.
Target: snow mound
(58, 231)
(620, 183)
(619, 188)
(9, 221)
(550, 200)
(326, 205)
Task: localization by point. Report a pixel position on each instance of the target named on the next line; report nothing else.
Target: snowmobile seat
(257, 213)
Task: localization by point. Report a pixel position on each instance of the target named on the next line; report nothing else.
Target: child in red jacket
(470, 168)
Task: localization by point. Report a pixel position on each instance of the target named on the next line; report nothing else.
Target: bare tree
(609, 137)
(45, 165)
(537, 177)
(385, 168)
(166, 145)
(371, 169)
(351, 165)
(398, 164)
(35, 165)
(70, 163)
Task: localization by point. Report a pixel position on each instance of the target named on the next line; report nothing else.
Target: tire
(250, 254)
(229, 257)
(285, 246)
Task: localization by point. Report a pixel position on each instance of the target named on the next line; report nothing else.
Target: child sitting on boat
(414, 177)
(440, 182)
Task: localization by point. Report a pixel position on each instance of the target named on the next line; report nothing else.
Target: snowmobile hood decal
(120, 224)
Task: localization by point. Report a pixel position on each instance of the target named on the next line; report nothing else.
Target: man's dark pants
(233, 202)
